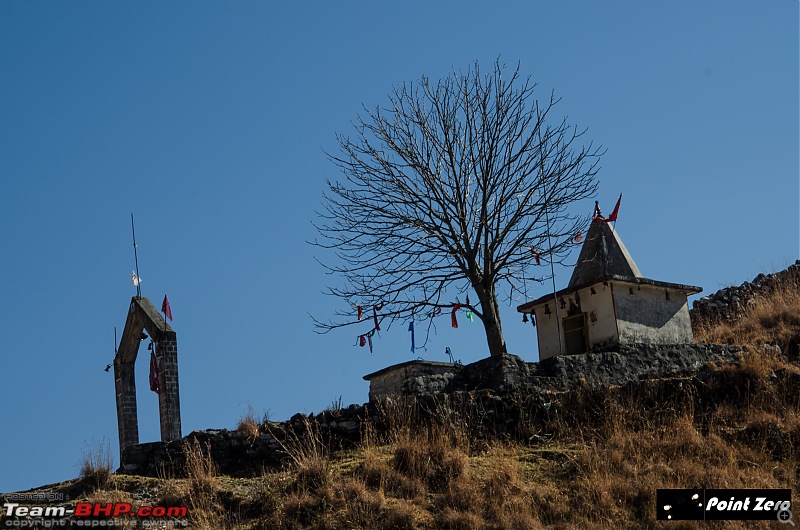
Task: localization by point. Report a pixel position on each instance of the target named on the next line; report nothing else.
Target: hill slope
(591, 457)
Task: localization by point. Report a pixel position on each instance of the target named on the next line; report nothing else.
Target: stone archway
(143, 316)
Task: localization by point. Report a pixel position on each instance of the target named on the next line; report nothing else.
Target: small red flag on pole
(611, 218)
(166, 309)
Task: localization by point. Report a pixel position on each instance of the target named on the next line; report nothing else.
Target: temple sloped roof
(603, 254)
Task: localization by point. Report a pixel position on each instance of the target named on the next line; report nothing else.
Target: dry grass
(770, 318)
(601, 471)
(250, 425)
(96, 464)
(201, 489)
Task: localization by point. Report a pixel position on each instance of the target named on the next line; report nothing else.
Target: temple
(608, 302)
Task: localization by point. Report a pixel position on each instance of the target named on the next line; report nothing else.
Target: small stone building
(409, 378)
(608, 302)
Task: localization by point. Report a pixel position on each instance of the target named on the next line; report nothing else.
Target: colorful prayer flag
(535, 255)
(578, 237)
(453, 320)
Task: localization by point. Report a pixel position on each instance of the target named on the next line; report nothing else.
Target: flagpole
(553, 277)
(136, 261)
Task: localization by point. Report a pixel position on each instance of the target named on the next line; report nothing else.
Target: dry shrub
(400, 516)
(201, 492)
(310, 458)
(249, 425)
(263, 501)
(397, 415)
(303, 508)
(405, 487)
(432, 455)
(504, 493)
(374, 471)
(450, 519)
(362, 508)
(96, 464)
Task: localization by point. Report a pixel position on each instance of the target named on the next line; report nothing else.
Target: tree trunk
(491, 322)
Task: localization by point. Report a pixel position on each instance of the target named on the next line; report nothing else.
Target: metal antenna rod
(136, 261)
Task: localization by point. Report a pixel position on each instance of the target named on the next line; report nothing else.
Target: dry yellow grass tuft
(97, 464)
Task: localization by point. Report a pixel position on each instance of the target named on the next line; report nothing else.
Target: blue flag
(411, 329)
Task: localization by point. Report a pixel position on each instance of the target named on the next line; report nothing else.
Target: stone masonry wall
(728, 303)
(489, 391)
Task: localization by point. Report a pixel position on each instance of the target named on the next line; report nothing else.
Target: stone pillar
(127, 420)
(143, 316)
(169, 405)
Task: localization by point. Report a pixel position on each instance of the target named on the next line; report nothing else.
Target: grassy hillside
(594, 463)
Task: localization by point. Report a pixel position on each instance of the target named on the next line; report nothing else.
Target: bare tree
(458, 185)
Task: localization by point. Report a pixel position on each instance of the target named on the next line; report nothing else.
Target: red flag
(360, 311)
(154, 386)
(166, 309)
(362, 340)
(453, 320)
(611, 218)
(578, 237)
(375, 310)
(535, 255)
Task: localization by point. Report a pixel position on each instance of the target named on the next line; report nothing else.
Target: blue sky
(208, 121)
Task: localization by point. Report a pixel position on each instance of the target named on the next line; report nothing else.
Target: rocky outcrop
(728, 303)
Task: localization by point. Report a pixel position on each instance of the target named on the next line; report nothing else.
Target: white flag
(135, 280)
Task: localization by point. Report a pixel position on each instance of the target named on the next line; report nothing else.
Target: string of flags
(365, 339)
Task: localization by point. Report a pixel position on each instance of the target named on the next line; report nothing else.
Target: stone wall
(728, 303)
(238, 454)
(497, 394)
